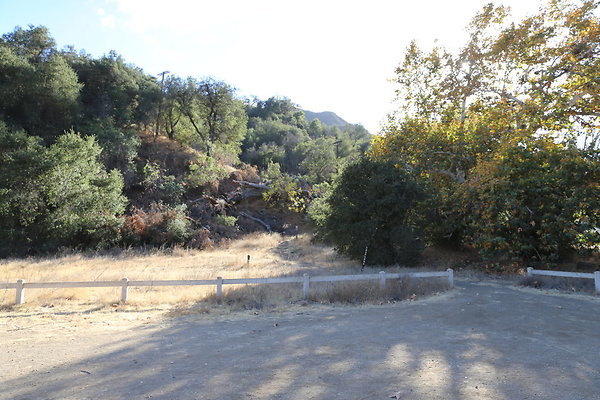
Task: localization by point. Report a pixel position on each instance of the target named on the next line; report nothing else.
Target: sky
(324, 55)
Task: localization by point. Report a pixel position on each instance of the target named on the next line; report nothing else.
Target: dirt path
(479, 341)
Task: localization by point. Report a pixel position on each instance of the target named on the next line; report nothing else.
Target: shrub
(161, 225)
(285, 192)
(536, 201)
(56, 196)
(371, 206)
(203, 171)
(160, 187)
(225, 220)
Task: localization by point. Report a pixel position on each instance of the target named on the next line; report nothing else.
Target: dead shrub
(160, 225)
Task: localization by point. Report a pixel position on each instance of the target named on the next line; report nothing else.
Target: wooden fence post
(124, 290)
(597, 281)
(20, 292)
(450, 272)
(529, 272)
(306, 285)
(219, 287)
(381, 280)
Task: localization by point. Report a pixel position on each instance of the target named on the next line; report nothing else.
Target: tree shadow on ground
(479, 341)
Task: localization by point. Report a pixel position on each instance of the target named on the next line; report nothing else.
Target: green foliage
(278, 133)
(319, 209)
(285, 192)
(535, 201)
(371, 205)
(204, 170)
(159, 186)
(119, 146)
(225, 220)
(56, 196)
(319, 161)
(39, 89)
(491, 132)
(205, 114)
(115, 91)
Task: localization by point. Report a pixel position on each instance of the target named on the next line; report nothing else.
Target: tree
(40, 90)
(56, 196)
(319, 160)
(369, 213)
(536, 201)
(511, 84)
(211, 108)
(113, 90)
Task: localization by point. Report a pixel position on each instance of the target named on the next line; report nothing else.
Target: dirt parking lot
(482, 340)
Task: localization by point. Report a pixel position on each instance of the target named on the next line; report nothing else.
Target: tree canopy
(496, 127)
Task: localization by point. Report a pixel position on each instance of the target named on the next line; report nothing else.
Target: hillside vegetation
(96, 153)
(493, 149)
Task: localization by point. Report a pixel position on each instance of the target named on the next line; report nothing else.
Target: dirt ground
(482, 340)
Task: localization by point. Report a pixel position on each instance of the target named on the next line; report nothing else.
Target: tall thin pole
(162, 86)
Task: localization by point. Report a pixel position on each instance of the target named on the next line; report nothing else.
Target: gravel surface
(482, 340)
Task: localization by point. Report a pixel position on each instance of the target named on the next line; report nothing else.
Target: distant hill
(328, 118)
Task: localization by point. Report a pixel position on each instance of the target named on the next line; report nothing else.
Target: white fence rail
(595, 276)
(125, 283)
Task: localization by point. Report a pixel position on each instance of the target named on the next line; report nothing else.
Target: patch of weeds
(260, 297)
(559, 283)
(369, 292)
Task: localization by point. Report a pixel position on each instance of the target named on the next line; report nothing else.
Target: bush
(371, 206)
(536, 201)
(56, 196)
(160, 187)
(285, 192)
(225, 220)
(161, 225)
(203, 171)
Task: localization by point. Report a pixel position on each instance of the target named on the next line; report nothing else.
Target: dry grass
(559, 283)
(260, 297)
(270, 255)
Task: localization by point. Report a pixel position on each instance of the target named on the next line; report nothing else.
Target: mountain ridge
(328, 118)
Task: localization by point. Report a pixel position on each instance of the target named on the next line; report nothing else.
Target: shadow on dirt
(479, 341)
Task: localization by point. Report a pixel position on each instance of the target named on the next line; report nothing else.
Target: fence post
(306, 285)
(381, 280)
(124, 290)
(597, 281)
(529, 272)
(450, 272)
(219, 287)
(20, 292)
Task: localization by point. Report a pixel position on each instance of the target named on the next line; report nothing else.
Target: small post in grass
(381, 280)
(306, 285)
(219, 287)
(20, 292)
(124, 290)
(529, 272)
(597, 281)
(450, 272)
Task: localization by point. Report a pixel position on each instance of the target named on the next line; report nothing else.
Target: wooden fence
(595, 276)
(125, 283)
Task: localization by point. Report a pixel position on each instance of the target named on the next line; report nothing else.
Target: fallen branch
(263, 223)
(253, 185)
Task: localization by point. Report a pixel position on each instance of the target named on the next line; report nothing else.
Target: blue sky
(325, 55)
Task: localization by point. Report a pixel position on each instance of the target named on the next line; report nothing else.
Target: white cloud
(108, 21)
